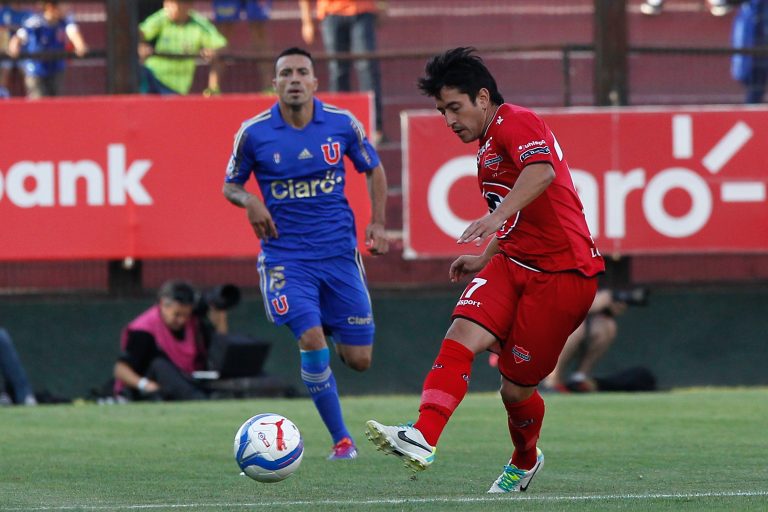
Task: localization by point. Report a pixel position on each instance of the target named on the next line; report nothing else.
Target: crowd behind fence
(557, 64)
(541, 52)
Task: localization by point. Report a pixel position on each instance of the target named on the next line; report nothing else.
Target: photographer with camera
(591, 340)
(162, 347)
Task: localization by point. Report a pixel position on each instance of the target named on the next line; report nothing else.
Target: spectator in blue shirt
(46, 32)
(228, 13)
(750, 30)
(10, 21)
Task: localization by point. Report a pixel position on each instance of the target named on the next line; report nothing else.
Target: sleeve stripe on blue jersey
(337, 110)
(267, 114)
(234, 161)
(356, 125)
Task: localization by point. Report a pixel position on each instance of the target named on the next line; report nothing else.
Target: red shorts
(531, 313)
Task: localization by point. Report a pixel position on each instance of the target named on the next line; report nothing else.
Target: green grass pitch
(702, 449)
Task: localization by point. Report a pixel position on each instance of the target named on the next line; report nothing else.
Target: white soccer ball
(268, 447)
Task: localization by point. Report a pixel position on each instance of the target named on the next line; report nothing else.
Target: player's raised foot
(517, 480)
(405, 441)
(343, 450)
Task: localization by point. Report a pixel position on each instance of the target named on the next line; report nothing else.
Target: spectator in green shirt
(176, 29)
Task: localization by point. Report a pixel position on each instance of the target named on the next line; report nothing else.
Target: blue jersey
(12, 18)
(40, 36)
(301, 177)
(10, 21)
(233, 10)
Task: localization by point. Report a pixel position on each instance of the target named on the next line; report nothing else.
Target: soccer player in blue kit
(311, 274)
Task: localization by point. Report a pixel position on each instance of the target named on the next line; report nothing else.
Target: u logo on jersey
(280, 304)
(331, 153)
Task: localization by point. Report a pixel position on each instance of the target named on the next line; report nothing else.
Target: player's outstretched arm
(14, 46)
(375, 234)
(77, 39)
(534, 179)
(258, 214)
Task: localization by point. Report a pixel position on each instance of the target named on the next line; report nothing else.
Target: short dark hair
(461, 69)
(295, 50)
(177, 291)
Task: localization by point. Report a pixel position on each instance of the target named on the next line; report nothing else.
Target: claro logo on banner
(131, 176)
(651, 181)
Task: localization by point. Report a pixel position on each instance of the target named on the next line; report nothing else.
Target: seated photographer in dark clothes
(163, 346)
(591, 341)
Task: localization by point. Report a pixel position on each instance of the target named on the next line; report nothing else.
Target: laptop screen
(237, 355)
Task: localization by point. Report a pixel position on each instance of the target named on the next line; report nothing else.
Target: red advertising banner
(114, 177)
(651, 180)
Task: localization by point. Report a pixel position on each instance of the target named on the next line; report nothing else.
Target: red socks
(444, 389)
(524, 419)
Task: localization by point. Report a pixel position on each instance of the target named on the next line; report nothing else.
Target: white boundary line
(404, 501)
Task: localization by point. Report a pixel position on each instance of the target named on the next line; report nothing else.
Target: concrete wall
(686, 337)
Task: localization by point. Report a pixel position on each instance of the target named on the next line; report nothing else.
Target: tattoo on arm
(236, 194)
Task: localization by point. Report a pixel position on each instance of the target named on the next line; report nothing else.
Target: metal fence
(542, 53)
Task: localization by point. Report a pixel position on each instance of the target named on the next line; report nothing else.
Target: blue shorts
(233, 10)
(331, 293)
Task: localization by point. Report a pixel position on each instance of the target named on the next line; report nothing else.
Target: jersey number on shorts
(476, 283)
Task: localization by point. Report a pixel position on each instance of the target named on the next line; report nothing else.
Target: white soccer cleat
(517, 480)
(404, 441)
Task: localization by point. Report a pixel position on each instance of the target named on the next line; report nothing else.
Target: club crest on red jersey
(520, 354)
(492, 161)
(331, 153)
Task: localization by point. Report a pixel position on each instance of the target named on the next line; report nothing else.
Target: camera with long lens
(632, 297)
(223, 297)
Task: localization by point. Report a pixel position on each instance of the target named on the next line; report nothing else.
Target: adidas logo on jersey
(305, 154)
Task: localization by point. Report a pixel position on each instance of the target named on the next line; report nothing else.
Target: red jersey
(551, 233)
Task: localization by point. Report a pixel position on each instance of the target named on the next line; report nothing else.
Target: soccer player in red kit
(534, 282)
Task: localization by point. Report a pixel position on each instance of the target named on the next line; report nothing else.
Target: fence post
(122, 44)
(610, 24)
(567, 100)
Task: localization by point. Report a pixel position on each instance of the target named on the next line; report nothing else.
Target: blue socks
(318, 377)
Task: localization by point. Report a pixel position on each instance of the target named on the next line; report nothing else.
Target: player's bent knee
(513, 393)
(312, 339)
(356, 358)
(359, 363)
